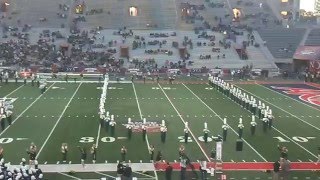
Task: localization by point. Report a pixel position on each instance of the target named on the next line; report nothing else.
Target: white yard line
(184, 122)
(279, 130)
(98, 136)
(143, 174)
(315, 127)
(13, 91)
(103, 174)
(25, 110)
(222, 121)
(305, 104)
(135, 93)
(73, 177)
(61, 115)
(155, 174)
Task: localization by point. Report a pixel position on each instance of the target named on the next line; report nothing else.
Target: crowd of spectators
(22, 172)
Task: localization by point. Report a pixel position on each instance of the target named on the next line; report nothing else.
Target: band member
(206, 132)
(186, 133)
(93, 152)
(253, 125)
(270, 117)
(107, 121)
(225, 129)
(64, 151)
(265, 121)
(163, 130)
(129, 127)
(240, 128)
(112, 126)
(2, 116)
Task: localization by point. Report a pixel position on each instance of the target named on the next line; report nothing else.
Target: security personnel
(186, 133)
(225, 129)
(64, 151)
(144, 132)
(206, 132)
(253, 125)
(240, 128)
(112, 126)
(93, 152)
(265, 121)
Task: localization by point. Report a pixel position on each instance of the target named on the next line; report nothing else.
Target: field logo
(150, 126)
(307, 95)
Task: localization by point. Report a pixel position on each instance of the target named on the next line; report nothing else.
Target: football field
(68, 113)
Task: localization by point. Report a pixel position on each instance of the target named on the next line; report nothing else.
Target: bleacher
(282, 42)
(313, 38)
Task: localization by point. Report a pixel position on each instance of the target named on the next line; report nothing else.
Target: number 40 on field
(295, 138)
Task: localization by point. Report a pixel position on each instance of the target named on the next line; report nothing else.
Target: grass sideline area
(68, 113)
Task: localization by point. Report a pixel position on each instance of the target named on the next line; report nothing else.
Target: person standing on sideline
(64, 151)
(183, 165)
(123, 152)
(318, 156)
(151, 152)
(32, 153)
(276, 169)
(144, 132)
(93, 152)
(285, 168)
(168, 171)
(203, 169)
(186, 133)
(83, 154)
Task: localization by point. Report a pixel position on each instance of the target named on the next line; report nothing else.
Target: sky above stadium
(307, 5)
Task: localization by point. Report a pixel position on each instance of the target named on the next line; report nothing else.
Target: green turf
(38, 115)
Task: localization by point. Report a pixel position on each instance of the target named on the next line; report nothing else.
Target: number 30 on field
(92, 139)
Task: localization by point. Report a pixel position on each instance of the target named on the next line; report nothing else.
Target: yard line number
(92, 139)
(200, 138)
(295, 138)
